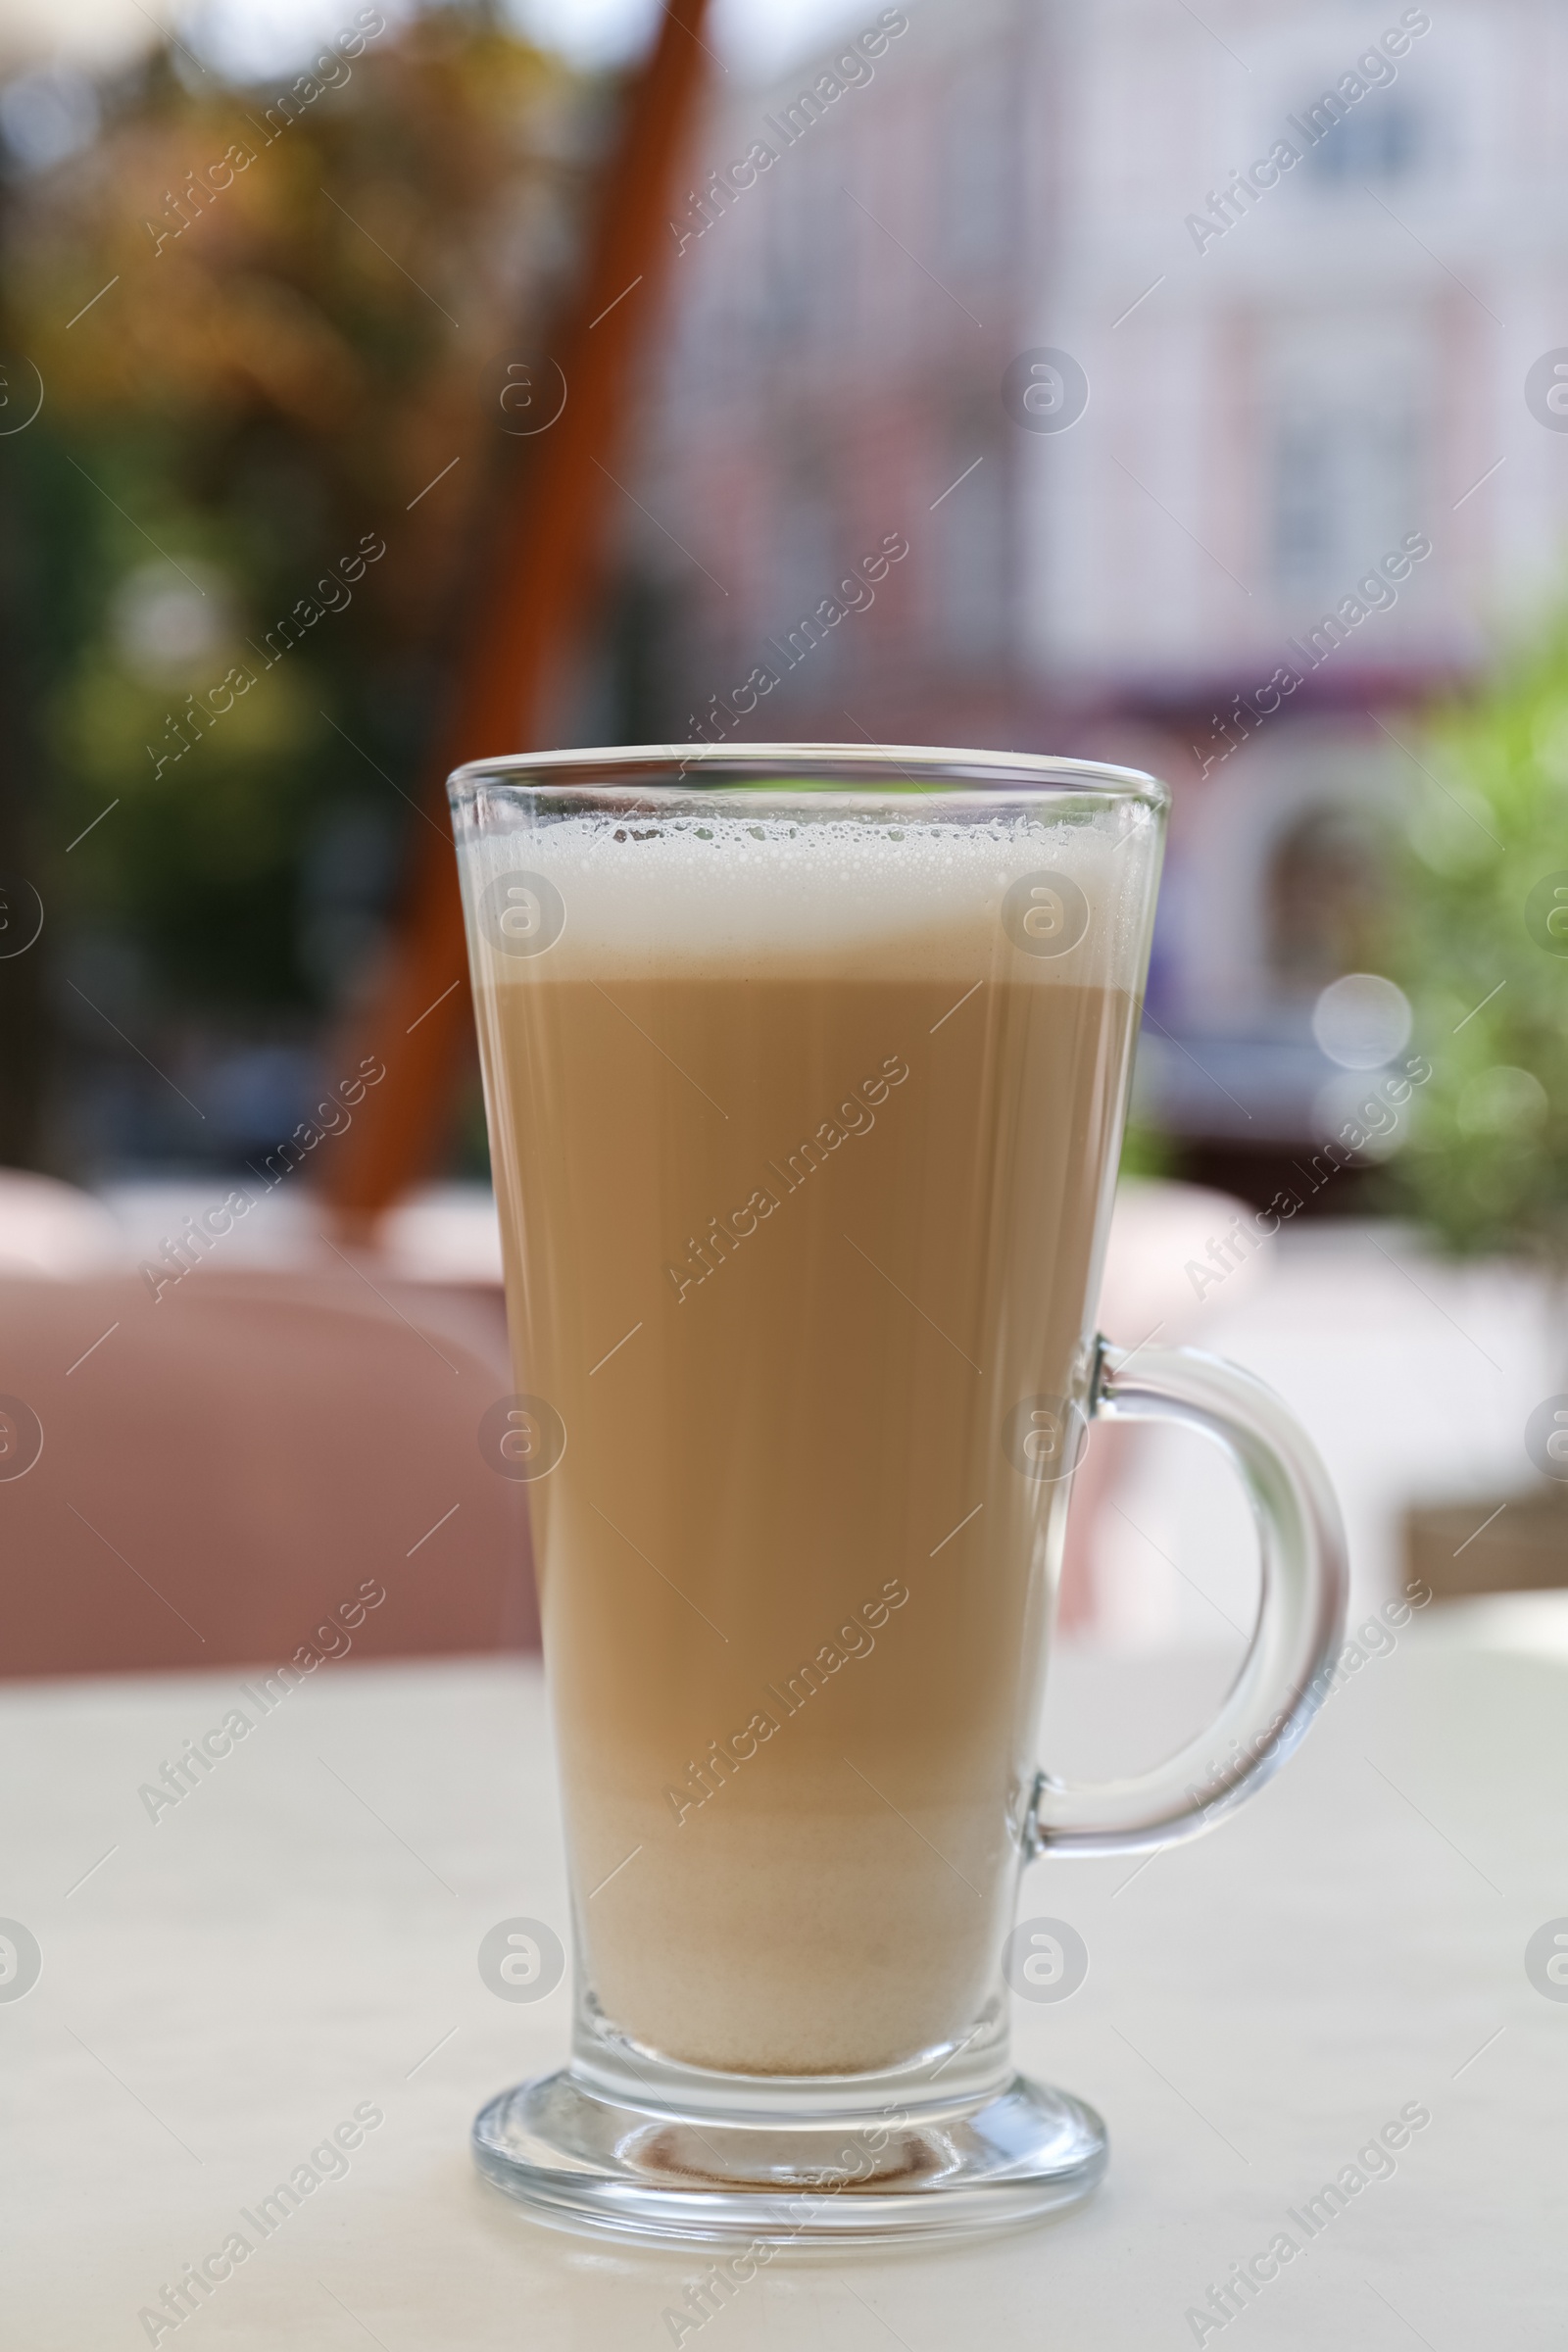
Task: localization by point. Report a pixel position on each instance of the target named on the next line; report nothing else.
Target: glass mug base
(583, 2159)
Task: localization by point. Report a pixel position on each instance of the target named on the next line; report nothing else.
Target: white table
(297, 1939)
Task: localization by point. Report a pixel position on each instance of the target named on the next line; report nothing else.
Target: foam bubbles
(758, 894)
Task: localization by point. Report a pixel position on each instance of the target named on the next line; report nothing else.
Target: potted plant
(1480, 944)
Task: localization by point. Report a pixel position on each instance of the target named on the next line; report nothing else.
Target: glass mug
(807, 1070)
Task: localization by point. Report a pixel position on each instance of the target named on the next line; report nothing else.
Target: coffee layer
(803, 1264)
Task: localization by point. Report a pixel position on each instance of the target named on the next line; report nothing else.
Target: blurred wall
(1203, 370)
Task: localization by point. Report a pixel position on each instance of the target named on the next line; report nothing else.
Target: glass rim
(854, 767)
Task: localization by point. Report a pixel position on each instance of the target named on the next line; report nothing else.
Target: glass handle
(1300, 1616)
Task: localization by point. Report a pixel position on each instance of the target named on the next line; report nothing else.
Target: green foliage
(1487, 1164)
(1146, 1151)
(284, 350)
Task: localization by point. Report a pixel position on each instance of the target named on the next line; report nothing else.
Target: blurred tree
(274, 329)
(1481, 950)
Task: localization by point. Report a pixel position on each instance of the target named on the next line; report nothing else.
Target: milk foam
(753, 895)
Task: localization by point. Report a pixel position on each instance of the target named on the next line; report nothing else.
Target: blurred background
(1200, 382)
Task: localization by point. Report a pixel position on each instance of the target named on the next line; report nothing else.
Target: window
(978, 225)
(973, 551)
(804, 565)
(1325, 889)
(1344, 491)
(810, 228)
(1381, 137)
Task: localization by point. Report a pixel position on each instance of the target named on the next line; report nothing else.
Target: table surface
(223, 1986)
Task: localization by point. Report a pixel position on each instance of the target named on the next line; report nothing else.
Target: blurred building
(1187, 358)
